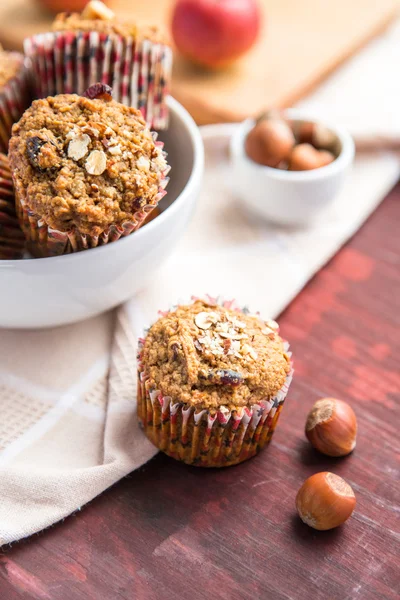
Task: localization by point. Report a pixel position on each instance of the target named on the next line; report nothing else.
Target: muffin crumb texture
(207, 356)
(85, 163)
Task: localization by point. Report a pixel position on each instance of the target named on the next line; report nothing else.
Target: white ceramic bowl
(54, 291)
(290, 198)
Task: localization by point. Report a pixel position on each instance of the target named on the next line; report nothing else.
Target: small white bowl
(47, 292)
(290, 198)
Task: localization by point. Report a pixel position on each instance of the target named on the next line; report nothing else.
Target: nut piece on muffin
(96, 16)
(86, 171)
(212, 381)
(135, 60)
(15, 92)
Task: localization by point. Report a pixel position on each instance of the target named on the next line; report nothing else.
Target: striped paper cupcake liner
(207, 438)
(12, 240)
(44, 241)
(139, 72)
(15, 97)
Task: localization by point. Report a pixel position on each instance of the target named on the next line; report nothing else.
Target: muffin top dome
(207, 356)
(85, 163)
(96, 16)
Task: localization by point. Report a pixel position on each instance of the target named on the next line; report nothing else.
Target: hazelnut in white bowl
(290, 169)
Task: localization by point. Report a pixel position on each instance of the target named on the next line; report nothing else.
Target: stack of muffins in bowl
(87, 166)
(87, 169)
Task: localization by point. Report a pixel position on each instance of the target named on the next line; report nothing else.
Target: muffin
(86, 171)
(94, 46)
(12, 240)
(212, 380)
(15, 92)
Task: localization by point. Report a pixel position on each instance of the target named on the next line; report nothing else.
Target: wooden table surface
(170, 532)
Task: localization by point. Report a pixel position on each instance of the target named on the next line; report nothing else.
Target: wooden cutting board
(302, 41)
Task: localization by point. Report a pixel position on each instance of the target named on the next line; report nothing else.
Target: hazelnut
(304, 131)
(325, 157)
(319, 136)
(305, 157)
(269, 142)
(323, 137)
(331, 427)
(325, 501)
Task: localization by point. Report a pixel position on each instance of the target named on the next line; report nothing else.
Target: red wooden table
(173, 532)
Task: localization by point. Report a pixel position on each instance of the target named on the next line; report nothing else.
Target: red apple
(214, 33)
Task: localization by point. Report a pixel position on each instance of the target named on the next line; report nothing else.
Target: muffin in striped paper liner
(87, 171)
(12, 240)
(15, 92)
(212, 380)
(84, 49)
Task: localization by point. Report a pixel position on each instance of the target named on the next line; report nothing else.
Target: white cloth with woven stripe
(68, 427)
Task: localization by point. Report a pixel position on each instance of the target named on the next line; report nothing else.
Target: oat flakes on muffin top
(208, 356)
(85, 163)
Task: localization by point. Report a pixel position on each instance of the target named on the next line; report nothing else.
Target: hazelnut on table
(331, 427)
(325, 501)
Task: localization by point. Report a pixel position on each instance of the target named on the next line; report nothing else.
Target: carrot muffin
(212, 382)
(12, 240)
(86, 171)
(94, 46)
(15, 92)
